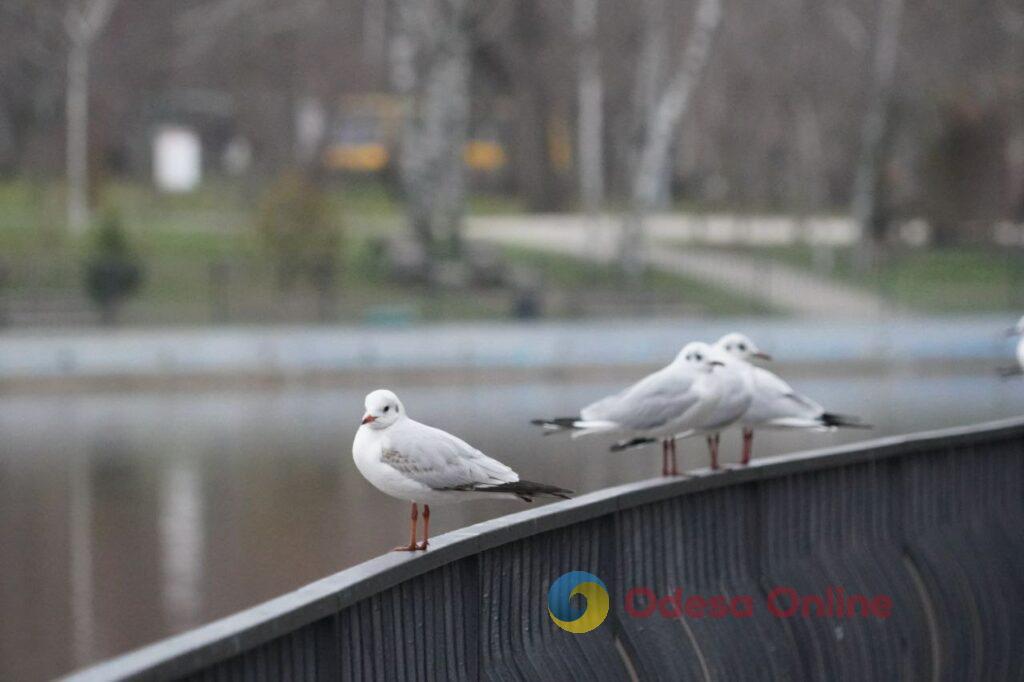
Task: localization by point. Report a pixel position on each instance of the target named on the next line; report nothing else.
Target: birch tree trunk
(430, 68)
(77, 121)
(84, 22)
(866, 207)
(663, 111)
(590, 132)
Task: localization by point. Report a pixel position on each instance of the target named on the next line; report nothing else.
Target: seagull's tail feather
(799, 423)
(629, 444)
(827, 421)
(578, 427)
(556, 425)
(833, 420)
(526, 490)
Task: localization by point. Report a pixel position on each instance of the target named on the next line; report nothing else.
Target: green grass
(951, 280)
(181, 239)
(599, 281)
(932, 280)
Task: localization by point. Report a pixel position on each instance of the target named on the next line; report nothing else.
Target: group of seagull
(704, 390)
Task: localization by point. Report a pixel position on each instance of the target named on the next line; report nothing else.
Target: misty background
(251, 161)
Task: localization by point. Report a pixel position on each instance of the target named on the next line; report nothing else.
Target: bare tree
(590, 131)
(866, 206)
(536, 68)
(431, 70)
(375, 18)
(84, 21)
(263, 39)
(662, 109)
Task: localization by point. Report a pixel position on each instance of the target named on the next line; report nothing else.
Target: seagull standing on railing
(1016, 330)
(775, 404)
(676, 398)
(421, 464)
(737, 381)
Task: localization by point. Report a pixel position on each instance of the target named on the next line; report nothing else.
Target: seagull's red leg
(426, 527)
(412, 542)
(748, 444)
(672, 451)
(713, 447)
(664, 457)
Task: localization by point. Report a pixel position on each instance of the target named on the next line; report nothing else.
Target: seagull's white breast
(736, 383)
(367, 451)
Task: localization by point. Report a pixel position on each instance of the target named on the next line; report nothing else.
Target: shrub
(113, 271)
(295, 225)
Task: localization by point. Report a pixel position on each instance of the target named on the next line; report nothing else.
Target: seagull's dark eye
(743, 346)
(386, 408)
(698, 357)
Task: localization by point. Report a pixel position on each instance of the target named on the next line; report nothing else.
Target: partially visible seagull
(775, 404)
(676, 398)
(418, 463)
(1016, 330)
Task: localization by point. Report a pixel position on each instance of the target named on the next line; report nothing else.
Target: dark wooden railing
(934, 522)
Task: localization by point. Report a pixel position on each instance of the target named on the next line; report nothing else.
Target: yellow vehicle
(368, 133)
(356, 154)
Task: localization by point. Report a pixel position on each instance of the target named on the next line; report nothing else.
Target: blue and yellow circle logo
(574, 618)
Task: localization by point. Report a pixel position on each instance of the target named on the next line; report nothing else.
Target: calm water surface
(125, 518)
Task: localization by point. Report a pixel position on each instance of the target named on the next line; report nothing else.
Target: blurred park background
(223, 222)
(247, 161)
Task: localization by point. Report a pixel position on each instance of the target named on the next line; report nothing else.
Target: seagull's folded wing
(651, 403)
(777, 399)
(441, 461)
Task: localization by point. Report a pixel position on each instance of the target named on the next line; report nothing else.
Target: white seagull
(674, 399)
(1017, 330)
(418, 463)
(737, 379)
(775, 404)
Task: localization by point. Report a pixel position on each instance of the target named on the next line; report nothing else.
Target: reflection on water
(124, 518)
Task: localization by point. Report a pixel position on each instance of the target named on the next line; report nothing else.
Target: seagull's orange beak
(367, 419)
(761, 356)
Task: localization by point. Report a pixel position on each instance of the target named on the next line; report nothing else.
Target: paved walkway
(780, 286)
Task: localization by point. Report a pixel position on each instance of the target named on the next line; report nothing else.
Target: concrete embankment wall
(98, 358)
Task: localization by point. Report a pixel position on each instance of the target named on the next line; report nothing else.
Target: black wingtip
(556, 425)
(1010, 372)
(527, 490)
(844, 421)
(628, 444)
